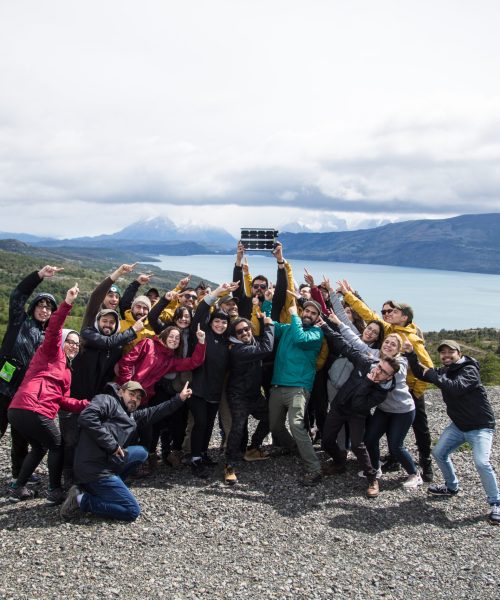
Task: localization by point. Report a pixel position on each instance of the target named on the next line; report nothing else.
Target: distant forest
(483, 344)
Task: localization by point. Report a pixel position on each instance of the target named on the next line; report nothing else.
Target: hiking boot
(32, 481)
(141, 472)
(311, 479)
(230, 476)
(199, 469)
(494, 516)
(427, 472)
(55, 496)
(70, 506)
(207, 461)
(18, 494)
(330, 468)
(153, 461)
(174, 459)
(255, 454)
(441, 489)
(413, 481)
(373, 490)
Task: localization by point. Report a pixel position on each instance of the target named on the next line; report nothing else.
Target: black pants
(43, 435)
(317, 406)
(68, 423)
(204, 414)
(172, 429)
(19, 444)
(335, 420)
(421, 428)
(241, 409)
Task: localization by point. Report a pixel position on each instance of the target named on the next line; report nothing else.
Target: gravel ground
(265, 538)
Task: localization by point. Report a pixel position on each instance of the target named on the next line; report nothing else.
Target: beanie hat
(312, 303)
(114, 288)
(142, 300)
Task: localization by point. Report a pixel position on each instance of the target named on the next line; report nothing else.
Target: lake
(440, 299)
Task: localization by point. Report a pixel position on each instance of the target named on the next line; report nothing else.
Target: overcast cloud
(260, 112)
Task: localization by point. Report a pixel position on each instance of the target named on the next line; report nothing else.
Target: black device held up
(258, 238)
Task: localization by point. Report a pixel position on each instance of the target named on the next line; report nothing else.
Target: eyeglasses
(72, 343)
(387, 311)
(384, 371)
(242, 330)
(46, 305)
(259, 286)
(371, 330)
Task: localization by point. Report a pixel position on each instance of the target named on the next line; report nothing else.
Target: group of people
(158, 369)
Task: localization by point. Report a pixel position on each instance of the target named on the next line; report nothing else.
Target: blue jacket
(298, 349)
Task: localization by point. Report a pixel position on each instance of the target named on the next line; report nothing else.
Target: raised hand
(144, 278)
(139, 324)
(292, 309)
(407, 347)
(240, 251)
(72, 294)
(278, 251)
(184, 282)
(200, 335)
(308, 278)
(49, 271)
(186, 392)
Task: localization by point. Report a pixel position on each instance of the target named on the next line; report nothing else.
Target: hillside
(466, 243)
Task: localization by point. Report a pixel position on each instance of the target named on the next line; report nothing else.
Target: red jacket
(45, 387)
(150, 360)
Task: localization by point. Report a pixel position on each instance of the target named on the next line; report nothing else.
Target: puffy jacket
(24, 333)
(298, 349)
(465, 397)
(104, 425)
(245, 365)
(150, 360)
(46, 386)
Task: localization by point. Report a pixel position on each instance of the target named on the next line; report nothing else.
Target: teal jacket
(298, 348)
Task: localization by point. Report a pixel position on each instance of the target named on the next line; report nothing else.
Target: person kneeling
(105, 455)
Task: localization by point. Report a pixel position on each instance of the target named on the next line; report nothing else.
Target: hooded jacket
(93, 366)
(465, 397)
(24, 333)
(150, 360)
(46, 386)
(106, 424)
(245, 365)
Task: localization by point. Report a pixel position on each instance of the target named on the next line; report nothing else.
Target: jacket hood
(36, 300)
(107, 311)
(465, 360)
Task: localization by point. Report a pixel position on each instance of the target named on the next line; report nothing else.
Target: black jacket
(24, 333)
(245, 365)
(104, 425)
(94, 366)
(208, 379)
(466, 400)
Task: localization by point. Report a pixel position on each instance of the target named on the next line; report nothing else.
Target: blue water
(440, 299)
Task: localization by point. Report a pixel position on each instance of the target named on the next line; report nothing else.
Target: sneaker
(230, 476)
(413, 481)
(311, 479)
(255, 454)
(70, 506)
(207, 461)
(18, 494)
(441, 489)
(427, 472)
(55, 496)
(373, 489)
(173, 459)
(378, 474)
(33, 480)
(330, 468)
(199, 469)
(494, 516)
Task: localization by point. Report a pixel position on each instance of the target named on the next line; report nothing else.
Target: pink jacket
(45, 387)
(150, 360)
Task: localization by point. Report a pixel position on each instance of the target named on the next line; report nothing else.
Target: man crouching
(105, 455)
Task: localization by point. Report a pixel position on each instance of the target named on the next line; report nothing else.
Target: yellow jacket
(127, 322)
(409, 332)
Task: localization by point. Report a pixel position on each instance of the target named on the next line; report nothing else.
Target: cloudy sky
(246, 113)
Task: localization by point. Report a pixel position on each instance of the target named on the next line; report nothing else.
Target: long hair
(164, 335)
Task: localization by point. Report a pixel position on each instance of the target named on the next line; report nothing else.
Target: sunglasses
(261, 286)
(242, 330)
(190, 296)
(387, 311)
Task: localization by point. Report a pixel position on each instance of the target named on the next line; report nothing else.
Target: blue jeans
(396, 425)
(109, 496)
(480, 440)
